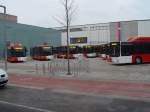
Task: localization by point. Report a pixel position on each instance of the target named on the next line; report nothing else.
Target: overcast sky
(42, 12)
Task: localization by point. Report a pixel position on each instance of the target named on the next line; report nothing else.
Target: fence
(59, 67)
(55, 67)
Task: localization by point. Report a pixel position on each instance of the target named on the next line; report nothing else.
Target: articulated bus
(42, 52)
(108, 57)
(97, 49)
(131, 52)
(16, 52)
(89, 51)
(104, 51)
(60, 51)
(74, 52)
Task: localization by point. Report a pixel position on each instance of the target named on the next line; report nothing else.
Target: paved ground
(97, 86)
(96, 69)
(94, 87)
(18, 99)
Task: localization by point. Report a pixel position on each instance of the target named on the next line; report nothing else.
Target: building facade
(28, 35)
(93, 34)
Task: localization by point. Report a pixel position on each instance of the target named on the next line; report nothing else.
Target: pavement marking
(25, 107)
(26, 87)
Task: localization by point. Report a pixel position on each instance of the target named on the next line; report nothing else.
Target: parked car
(3, 78)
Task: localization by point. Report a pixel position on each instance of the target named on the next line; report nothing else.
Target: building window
(75, 29)
(92, 28)
(85, 28)
(78, 40)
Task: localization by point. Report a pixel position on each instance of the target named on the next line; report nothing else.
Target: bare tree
(66, 20)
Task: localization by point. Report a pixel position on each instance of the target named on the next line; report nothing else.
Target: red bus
(89, 51)
(104, 51)
(136, 50)
(42, 52)
(97, 49)
(108, 57)
(61, 52)
(16, 52)
(76, 51)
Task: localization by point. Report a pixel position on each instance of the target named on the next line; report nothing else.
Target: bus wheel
(138, 60)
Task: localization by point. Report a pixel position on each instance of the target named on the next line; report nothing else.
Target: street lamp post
(5, 37)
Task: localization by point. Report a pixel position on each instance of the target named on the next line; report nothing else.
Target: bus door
(125, 56)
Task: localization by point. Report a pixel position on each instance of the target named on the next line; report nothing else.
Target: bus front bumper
(122, 60)
(91, 55)
(50, 57)
(77, 55)
(23, 59)
(103, 56)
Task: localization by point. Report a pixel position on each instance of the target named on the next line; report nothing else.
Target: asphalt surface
(43, 99)
(6, 107)
(19, 99)
(92, 69)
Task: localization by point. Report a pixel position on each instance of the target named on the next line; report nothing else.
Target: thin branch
(70, 5)
(69, 9)
(59, 21)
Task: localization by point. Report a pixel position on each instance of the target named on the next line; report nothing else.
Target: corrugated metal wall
(129, 29)
(96, 34)
(28, 35)
(144, 28)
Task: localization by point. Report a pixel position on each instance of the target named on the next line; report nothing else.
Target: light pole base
(69, 73)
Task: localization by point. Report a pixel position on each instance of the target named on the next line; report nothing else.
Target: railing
(59, 67)
(55, 67)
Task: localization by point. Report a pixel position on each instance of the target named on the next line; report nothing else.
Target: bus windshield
(17, 52)
(89, 49)
(45, 51)
(127, 49)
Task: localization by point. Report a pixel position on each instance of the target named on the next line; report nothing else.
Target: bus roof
(139, 39)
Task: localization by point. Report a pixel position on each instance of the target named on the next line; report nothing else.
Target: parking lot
(95, 69)
(95, 85)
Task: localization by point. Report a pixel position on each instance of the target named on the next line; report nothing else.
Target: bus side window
(127, 50)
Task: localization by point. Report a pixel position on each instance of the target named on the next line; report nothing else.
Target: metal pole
(5, 37)
(68, 52)
(120, 35)
(120, 38)
(120, 48)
